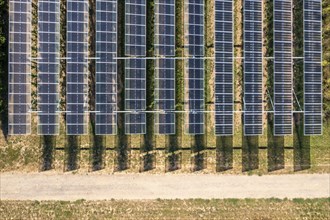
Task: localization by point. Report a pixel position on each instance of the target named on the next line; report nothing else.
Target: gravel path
(167, 186)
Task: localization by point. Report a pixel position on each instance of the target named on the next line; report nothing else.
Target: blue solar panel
(135, 27)
(165, 67)
(313, 67)
(135, 68)
(106, 67)
(253, 106)
(135, 123)
(48, 66)
(19, 91)
(224, 63)
(283, 67)
(194, 66)
(77, 67)
(165, 27)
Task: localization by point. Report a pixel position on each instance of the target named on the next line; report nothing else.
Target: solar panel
(135, 123)
(19, 93)
(253, 67)
(313, 67)
(194, 66)
(165, 27)
(224, 53)
(135, 27)
(135, 68)
(106, 67)
(48, 66)
(77, 67)
(165, 67)
(283, 67)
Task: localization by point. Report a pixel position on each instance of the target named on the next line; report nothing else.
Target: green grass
(25, 153)
(168, 209)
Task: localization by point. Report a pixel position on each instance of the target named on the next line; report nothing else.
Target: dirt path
(141, 186)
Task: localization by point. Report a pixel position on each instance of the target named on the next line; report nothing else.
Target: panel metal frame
(49, 128)
(193, 114)
(313, 111)
(164, 122)
(221, 124)
(255, 127)
(19, 103)
(79, 117)
(135, 123)
(128, 52)
(106, 81)
(283, 100)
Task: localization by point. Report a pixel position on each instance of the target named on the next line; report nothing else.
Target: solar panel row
(135, 68)
(19, 66)
(313, 67)
(194, 66)
(48, 66)
(77, 67)
(165, 67)
(253, 98)
(106, 67)
(224, 61)
(283, 67)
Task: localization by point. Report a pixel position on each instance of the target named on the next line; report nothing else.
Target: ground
(50, 186)
(262, 209)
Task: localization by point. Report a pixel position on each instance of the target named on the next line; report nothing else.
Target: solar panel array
(48, 66)
(77, 67)
(135, 67)
(19, 94)
(165, 67)
(313, 67)
(106, 67)
(283, 67)
(194, 66)
(224, 67)
(253, 98)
